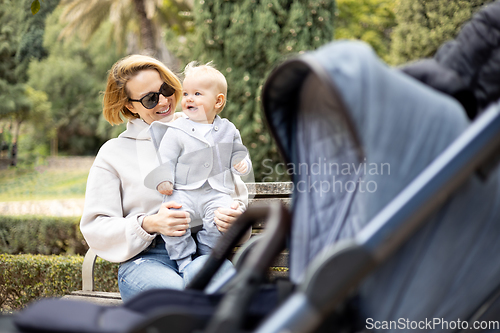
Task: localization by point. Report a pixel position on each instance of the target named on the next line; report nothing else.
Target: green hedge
(24, 278)
(41, 235)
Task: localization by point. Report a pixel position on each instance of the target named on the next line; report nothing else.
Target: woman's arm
(108, 232)
(115, 233)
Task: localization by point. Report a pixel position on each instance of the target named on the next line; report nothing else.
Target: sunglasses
(151, 100)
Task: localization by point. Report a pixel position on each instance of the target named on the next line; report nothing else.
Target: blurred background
(53, 64)
(54, 58)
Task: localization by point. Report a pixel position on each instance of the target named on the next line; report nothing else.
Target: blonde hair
(116, 95)
(193, 68)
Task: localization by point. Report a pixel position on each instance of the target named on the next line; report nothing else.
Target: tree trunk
(54, 146)
(13, 152)
(146, 30)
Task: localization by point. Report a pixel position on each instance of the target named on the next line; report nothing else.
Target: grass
(20, 185)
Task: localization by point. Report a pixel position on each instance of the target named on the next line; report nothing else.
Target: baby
(198, 154)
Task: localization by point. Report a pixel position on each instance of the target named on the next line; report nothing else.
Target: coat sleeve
(169, 150)
(239, 153)
(241, 192)
(111, 235)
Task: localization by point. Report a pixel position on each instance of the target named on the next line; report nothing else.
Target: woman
(122, 219)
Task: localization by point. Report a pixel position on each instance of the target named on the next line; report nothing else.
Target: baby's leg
(180, 248)
(209, 235)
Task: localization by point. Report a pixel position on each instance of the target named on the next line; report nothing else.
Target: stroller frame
(331, 280)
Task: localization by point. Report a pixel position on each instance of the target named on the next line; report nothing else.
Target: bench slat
(285, 201)
(97, 297)
(271, 189)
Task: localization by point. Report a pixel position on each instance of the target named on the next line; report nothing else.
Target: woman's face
(143, 83)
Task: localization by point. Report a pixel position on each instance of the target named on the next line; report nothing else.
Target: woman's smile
(164, 111)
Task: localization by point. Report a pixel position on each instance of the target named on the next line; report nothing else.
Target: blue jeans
(153, 269)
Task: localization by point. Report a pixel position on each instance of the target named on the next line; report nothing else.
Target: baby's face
(199, 99)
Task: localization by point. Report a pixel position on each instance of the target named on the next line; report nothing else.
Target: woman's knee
(144, 274)
(193, 268)
(197, 264)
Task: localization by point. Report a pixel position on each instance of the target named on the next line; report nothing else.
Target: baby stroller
(395, 208)
(413, 245)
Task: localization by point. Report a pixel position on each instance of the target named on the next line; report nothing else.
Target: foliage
(136, 24)
(61, 101)
(176, 16)
(20, 42)
(11, 87)
(32, 28)
(33, 139)
(246, 40)
(41, 235)
(72, 76)
(25, 278)
(369, 20)
(21, 37)
(28, 184)
(35, 7)
(84, 18)
(424, 25)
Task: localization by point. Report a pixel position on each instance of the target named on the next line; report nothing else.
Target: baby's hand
(241, 167)
(166, 188)
(178, 115)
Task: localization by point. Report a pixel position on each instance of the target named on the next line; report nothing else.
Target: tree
(33, 143)
(32, 30)
(423, 25)
(72, 76)
(246, 39)
(369, 20)
(142, 18)
(17, 27)
(10, 17)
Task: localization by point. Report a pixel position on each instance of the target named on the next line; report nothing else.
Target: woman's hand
(168, 222)
(224, 217)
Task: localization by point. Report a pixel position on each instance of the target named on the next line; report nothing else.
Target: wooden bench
(258, 192)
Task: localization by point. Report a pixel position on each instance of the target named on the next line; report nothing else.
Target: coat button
(192, 129)
(216, 128)
(206, 165)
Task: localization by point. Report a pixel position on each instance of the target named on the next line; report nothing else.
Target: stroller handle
(275, 215)
(238, 292)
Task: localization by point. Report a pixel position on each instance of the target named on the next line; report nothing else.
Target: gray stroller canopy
(354, 133)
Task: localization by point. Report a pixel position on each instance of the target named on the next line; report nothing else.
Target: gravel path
(65, 207)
